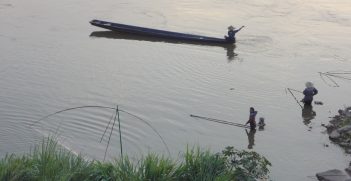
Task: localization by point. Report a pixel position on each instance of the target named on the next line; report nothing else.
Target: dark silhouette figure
(252, 118)
(308, 114)
(231, 33)
(261, 124)
(309, 92)
(251, 138)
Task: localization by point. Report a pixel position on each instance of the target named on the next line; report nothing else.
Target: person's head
(261, 119)
(252, 109)
(309, 84)
(231, 27)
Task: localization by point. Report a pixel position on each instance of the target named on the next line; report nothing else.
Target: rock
(344, 144)
(318, 102)
(348, 170)
(332, 175)
(341, 112)
(344, 129)
(335, 121)
(334, 135)
(348, 111)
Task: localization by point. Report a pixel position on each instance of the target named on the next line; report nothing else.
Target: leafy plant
(247, 165)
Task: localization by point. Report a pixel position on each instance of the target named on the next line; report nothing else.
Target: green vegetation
(49, 161)
(346, 121)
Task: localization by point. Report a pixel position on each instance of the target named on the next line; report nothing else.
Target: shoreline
(339, 132)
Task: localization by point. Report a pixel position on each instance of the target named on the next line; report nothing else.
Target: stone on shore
(334, 135)
(332, 175)
(344, 129)
(348, 170)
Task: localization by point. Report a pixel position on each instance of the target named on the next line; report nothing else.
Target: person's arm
(248, 122)
(315, 91)
(239, 29)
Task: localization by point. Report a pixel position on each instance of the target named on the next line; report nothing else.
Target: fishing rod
(120, 133)
(103, 107)
(340, 72)
(332, 80)
(295, 90)
(295, 98)
(338, 76)
(220, 121)
(137, 117)
(103, 135)
(109, 138)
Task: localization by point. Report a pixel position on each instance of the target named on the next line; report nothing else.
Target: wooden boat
(158, 33)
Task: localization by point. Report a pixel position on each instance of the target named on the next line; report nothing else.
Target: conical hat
(231, 27)
(309, 84)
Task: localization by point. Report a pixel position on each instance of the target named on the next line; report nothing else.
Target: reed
(47, 161)
(153, 167)
(50, 161)
(202, 166)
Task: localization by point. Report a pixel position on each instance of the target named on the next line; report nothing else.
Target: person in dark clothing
(252, 118)
(231, 33)
(261, 124)
(251, 138)
(309, 92)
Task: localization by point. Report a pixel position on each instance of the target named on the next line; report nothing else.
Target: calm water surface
(52, 59)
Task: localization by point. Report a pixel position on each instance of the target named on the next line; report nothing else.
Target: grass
(49, 161)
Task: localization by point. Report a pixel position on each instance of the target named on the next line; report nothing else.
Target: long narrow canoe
(157, 33)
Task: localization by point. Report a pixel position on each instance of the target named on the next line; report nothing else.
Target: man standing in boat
(231, 33)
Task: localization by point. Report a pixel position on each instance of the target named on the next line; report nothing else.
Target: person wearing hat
(309, 92)
(231, 33)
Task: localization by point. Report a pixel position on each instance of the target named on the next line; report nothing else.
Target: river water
(53, 59)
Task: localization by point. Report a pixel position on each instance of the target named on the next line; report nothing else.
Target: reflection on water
(127, 36)
(251, 137)
(308, 114)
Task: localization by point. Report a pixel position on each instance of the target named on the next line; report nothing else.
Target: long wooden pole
(120, 133)
(220, 121)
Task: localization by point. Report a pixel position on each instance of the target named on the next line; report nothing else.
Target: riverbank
(49, 161)
(339, 131)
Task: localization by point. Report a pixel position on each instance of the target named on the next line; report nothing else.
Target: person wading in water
(252, 118)
(309, 92)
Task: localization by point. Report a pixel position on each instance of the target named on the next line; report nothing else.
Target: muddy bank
(339, 131)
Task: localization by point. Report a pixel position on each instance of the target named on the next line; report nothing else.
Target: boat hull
(157, 33)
